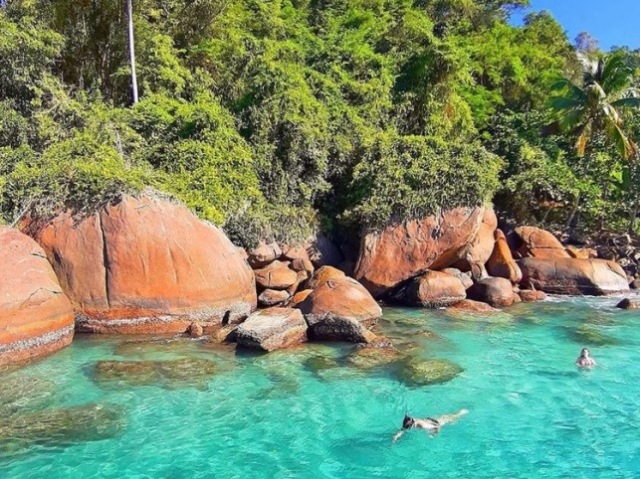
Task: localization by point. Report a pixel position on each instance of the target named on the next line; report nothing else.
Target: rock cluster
(332, 306)
(148, 265)
(415, 263)
(279, 272)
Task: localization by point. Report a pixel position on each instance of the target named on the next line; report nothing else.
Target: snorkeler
(585, 360)
(428, 424)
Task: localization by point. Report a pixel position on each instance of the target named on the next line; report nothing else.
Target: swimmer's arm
(397, 436)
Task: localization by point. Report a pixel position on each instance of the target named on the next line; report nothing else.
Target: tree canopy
(274, 118)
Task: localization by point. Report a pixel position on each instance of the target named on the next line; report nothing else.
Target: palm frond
(611, 114)
(565, 103)
(570, 118)
(623, 144)
(631, 102)
(616, 74)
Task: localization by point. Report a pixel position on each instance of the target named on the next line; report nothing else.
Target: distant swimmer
(428, 424)
(585, 360)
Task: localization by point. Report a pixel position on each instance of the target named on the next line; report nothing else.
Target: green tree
(594, 106)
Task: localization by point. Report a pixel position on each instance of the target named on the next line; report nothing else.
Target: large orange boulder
(433, 289)
(402, 251)
(538, 243)
(339, 308)
(147, 266)
(595, 277)
(478, 251)
(36, 317)
(501, 263)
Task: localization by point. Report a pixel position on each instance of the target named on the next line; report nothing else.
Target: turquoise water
(310, 413)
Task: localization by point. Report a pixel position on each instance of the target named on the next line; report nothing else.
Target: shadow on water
(589, 335)
(558, 374)
(281, 386)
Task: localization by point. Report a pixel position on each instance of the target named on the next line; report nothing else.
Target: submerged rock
(366, 358)
(58, 427)
(424, 372)
(172, 374)
(19, 393)
(317, 364)
(590, 336)
(379, 352)
(273, 328)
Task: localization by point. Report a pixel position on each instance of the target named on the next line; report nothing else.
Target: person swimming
(432, 425)
(585, 360)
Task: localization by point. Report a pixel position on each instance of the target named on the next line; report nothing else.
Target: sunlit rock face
(402, 251)
(36, 317)
(594, 277)
(145, 265)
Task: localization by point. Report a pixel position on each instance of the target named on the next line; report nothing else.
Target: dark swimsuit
(434, 421)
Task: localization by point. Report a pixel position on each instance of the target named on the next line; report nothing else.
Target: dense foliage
(273, 118)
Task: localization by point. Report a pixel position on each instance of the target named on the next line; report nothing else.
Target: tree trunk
(632, 217)
(634, 179)
(570, 220)
(132, 53)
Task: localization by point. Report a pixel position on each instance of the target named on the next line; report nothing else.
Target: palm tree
(594, 107)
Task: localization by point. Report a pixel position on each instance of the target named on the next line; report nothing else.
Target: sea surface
(187, 409)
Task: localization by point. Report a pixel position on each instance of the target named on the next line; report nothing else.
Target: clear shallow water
(299, 414)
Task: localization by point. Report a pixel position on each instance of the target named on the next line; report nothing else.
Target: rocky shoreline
(149, 266)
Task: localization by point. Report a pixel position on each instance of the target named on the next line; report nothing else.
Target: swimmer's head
(584, 353)
(407, 422)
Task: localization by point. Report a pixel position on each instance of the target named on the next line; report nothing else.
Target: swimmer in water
(585, 360)
(428, 424)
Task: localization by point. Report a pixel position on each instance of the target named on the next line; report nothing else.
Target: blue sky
(613, 22)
